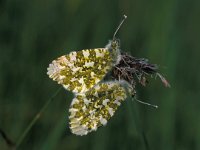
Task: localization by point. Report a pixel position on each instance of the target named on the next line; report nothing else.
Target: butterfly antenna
(145, 103)
(124, 17)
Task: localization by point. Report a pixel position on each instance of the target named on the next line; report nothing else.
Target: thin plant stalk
(134, 114)
(37, 116)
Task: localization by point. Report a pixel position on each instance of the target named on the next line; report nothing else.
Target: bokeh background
(33, 33)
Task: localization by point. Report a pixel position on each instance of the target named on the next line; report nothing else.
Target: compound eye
(114, 43)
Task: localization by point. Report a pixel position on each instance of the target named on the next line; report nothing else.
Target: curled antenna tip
(125, 16)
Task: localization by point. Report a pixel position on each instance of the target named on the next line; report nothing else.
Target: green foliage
(33, 33)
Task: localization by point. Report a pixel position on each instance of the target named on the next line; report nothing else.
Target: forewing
(80, 71)
(94, 108)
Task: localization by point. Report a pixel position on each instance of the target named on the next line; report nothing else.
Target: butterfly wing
(94, 108)
(80, 71)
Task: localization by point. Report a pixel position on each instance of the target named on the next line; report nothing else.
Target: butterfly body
(80, 72)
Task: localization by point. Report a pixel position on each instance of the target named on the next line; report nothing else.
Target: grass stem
(134, 114)
(37, 116)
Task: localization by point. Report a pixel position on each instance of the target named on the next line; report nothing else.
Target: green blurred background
(33, 33)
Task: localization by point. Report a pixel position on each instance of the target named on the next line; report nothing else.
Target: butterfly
(81, 72)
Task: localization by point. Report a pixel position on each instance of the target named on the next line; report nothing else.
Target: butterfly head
(115, 43)
(114, 48)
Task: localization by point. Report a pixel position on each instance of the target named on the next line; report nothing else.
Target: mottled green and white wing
(79, 71)
(95, 107)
